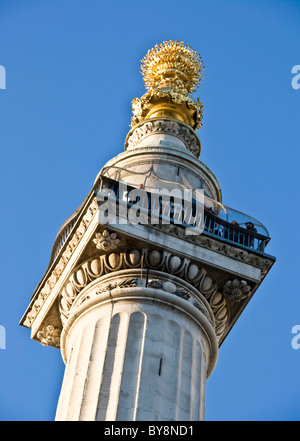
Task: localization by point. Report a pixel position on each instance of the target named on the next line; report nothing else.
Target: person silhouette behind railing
(249, 237)
(233, 234)
(239, 237)
(230, 232)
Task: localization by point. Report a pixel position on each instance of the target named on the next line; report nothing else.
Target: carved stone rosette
(237, 289)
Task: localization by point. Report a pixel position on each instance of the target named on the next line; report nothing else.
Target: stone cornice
(45, 288)
(254, 258)
(86, 231)
(56, 268)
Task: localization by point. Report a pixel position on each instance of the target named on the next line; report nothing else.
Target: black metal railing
(247, 237)
(209, 223)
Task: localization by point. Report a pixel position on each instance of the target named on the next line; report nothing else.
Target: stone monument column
(139, 301)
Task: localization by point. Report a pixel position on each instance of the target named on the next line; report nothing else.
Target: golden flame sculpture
(172, 64)
(171, 71)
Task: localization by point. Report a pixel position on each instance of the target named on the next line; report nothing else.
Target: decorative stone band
(169, 127)
(133, 278)
(159, 270)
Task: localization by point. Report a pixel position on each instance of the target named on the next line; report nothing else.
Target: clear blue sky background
(72, 71)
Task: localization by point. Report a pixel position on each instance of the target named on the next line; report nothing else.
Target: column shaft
(134, 360)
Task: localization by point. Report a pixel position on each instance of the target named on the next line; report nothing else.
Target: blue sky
(72, 70)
